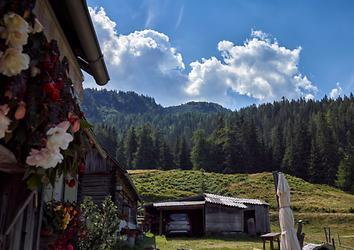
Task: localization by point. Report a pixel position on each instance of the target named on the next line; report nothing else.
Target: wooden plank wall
(220, 219)
(96, 164)
(262, 219)
(97, 186)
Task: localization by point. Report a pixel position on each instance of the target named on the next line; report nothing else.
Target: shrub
(100, 225)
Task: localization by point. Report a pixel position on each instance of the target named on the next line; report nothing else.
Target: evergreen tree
(277, 147)
(345, 174)
(130, 147)
(166, 158)
(183, 157)
(120, 154)
(144, 156)
(199, 153)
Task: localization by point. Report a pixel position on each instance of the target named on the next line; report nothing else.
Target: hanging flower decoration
(63, 219)
(40, 120)
(4, 120)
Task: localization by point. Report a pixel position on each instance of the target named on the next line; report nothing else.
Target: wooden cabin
(104, 176)
(211, 214)
(70, 25)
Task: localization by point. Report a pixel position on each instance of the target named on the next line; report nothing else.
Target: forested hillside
(313, 140)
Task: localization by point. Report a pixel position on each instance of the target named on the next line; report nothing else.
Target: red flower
(71, 183)
(52, 91)
(70, 247)
(60, 83)
(82, 168)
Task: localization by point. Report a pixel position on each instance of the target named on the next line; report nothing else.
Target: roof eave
(90, 57)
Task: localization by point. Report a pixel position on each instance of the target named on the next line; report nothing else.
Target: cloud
(142, 61)
(180, 17)
(260, 69)
(335, 92)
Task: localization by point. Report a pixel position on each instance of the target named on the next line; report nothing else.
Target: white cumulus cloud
(260, 68)
(142, 61)
(336, 92)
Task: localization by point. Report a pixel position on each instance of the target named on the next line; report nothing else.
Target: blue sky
(254, 51)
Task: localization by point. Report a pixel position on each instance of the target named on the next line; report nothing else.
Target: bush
(100, 225)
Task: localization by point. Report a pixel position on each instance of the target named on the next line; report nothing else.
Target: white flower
(44, 158)
(4, 120)
(37, 27)
(15, 31)
(58, 138)
(16, 39)
(14, 22)
(13, 61)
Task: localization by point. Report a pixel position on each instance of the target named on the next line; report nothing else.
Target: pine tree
(183, 158)
(345, 174)
(144, 156)
(166, 158)
(277, 147)
(199, 153)
(120, 154)
(130, 146)
(301, 150)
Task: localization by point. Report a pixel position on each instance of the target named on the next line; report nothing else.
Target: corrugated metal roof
(178, 203)
(232, 201)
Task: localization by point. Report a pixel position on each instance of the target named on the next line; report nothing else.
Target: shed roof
(232, 201)
(178, 203)
(210, 198)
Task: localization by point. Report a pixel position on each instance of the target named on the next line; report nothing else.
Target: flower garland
(40, 120)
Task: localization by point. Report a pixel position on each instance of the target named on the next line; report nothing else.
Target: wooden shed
(104, 176)
(212, 214)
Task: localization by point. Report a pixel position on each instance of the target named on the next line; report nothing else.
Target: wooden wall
(262, 219)
(95, 185)
(219, 219)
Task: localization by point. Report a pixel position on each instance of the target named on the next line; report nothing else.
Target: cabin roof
(209, 198)
(76, 23)
(178, 203)
(232, 201)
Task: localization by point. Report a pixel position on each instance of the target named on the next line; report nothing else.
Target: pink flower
(75, 122)
(4, 120)
(70, 247)
(44, 158)
(58, 138)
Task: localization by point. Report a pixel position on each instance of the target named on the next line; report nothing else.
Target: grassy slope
(156, 185)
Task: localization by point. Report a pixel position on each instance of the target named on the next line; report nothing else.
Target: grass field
(157, 185)
(342, 224)
(317, 205)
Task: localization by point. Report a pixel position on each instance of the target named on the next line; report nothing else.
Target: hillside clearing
(157, 185)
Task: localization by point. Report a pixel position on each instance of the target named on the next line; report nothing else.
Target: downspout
(83, 26)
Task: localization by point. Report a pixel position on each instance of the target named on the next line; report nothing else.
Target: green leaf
(34, 181)
(84, 124)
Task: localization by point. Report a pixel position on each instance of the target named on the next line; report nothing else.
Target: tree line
(313, 140)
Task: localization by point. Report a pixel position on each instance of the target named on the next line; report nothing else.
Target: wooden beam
(160, 223)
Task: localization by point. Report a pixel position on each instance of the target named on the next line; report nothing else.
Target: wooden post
(160, 223)
(275, 176)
